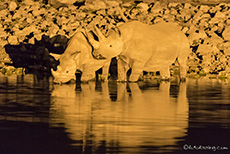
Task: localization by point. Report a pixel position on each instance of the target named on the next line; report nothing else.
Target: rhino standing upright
(78, 55)
(144, 47)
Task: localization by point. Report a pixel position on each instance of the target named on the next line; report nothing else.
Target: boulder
(226, 33)
(13, 40)
(143, 7)
(12, 6)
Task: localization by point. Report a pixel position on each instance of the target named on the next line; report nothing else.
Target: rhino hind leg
(182, 60)
(137, 69)
(165, 73)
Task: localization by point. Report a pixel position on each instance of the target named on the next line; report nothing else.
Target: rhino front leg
(87, 74)
(137, 69)
(105, 71)
(122, 68)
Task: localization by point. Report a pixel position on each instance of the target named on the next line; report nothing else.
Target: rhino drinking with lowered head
(144, 48)
(78, 56)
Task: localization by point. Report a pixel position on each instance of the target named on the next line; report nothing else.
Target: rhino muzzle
(61, 77)
(98, 56)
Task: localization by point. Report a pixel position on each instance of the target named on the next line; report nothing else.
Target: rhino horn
(54, 73)
(92, 41)
(56, 56)
(99, 33)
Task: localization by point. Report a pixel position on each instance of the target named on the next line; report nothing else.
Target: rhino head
(106, 47)
(66, 70)
(75, 55)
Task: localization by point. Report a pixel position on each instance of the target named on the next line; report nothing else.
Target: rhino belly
(155, 64)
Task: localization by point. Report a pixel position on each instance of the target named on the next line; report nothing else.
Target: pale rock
(204, 49)
(173, 11)
(220, 15)
(80, 16)
(52, 30)
(204, 8)
(203, 24)
(205, 16)
(61, 32)
(214, 39)
(21, 37)
(143, 6)
(197, 17)
(96, 5)
(112, 3)
(66, 1)
(2, 33)
(126, 4)
(216, 20)
(156, 8)
(31, 40)
(36, 10)
(29, 20)
(226, 33)
(17, 15)
(227, 51)
(173, 4)
(187, 6)
(185, 29)
(4, 57)
(38, 36)
(13, 40)
(3, 13)
(186, 14)
(213, 9)
(3, 42)
(158, 20)
(12, 6)
(196, 35)
(28, 2)
(74, 24)
(223, 46)
(227, 22)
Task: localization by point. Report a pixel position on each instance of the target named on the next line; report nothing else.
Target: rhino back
(143, 42)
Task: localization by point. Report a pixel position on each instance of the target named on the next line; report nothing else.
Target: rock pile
(207, 26)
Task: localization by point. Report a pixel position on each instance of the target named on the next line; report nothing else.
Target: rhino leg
(165, 73)
(105, 71)
(182, 60)
(87, 74)
(137, 69)
(122, 68)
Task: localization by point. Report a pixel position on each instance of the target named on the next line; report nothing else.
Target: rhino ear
(75, 54)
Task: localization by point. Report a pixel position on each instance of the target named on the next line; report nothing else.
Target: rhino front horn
(99, 33)
(53, 72)
(92, 41)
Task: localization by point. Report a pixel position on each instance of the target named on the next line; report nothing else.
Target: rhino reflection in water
(78, 56)
(139, 118)
(143, 47)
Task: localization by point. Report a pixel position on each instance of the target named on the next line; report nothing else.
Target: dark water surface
(38, 117)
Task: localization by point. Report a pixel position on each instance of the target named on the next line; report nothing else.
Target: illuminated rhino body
(144, 47)
(78, 56)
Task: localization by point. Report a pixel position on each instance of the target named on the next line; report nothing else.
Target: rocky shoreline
(29, 25)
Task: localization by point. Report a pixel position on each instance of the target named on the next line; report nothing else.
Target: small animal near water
(78, 55)
(143, 47)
